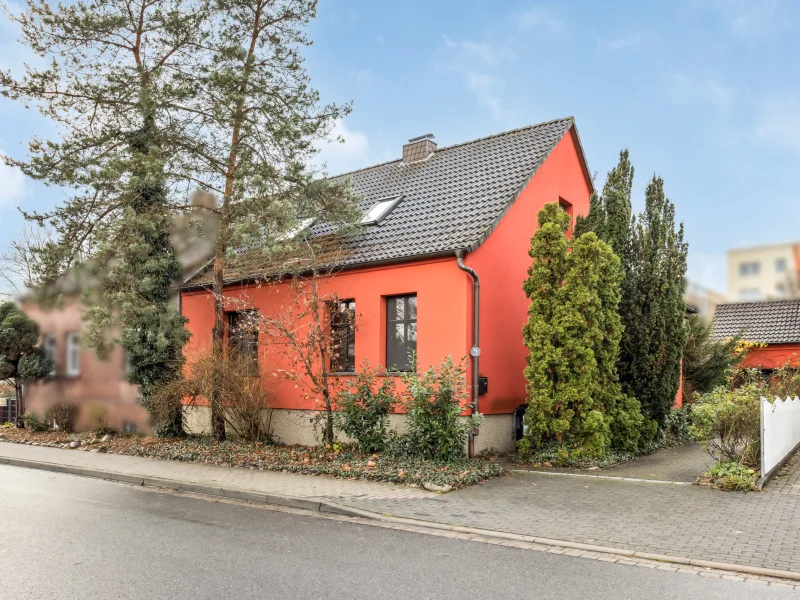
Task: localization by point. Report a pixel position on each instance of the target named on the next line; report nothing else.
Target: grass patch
(342, 463)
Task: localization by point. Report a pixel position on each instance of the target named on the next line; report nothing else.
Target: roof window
(380, 210)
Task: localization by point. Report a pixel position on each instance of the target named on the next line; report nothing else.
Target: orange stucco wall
(773, 356)
(441, 314)
(502, 263)
(444, 295)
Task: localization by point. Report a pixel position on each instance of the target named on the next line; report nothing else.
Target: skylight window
(301, 227)
(380, 210)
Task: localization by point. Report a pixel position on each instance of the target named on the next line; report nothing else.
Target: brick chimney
(419, 148)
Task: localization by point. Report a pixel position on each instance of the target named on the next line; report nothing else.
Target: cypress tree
(651, 308)
(572, 334)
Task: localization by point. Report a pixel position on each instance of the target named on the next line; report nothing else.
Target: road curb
(185, 486)
(349, 511)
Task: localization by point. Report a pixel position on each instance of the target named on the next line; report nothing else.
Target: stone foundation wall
(296, 427)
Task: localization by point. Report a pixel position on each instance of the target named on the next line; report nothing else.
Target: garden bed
(342, 464)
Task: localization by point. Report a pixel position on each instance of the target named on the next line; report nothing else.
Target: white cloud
(343, 150)
(540, 18)
(684, 89)
(13, 185)
(361, 76)
(478, 64)
(778, 123)
(487, 54)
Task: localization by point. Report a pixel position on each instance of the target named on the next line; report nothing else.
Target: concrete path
(682, 464)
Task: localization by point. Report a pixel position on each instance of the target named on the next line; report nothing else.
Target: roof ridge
(570, 119)
(776, 301)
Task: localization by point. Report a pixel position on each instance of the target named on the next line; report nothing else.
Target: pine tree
(261, 118)
(114, 88)
(572, 334)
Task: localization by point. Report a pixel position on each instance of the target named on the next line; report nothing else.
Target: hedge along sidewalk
(287, 489)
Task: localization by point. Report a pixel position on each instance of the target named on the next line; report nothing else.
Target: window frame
(781, 264)
(235, 338)
(50, 347)
(391, 328)
(391, 203)
(346, 358)
(73, 345)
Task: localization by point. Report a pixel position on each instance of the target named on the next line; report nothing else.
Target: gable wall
(502, 263)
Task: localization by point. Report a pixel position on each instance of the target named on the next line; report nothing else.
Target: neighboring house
(775, 323)
(80, 376)
(768, 272)
(402, 279)
(704, 299)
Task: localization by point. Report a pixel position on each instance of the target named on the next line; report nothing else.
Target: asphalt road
(67, 537)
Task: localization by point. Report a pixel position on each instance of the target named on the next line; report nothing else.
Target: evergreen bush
(363, 410)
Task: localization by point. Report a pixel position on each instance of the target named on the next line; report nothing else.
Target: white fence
(780, 432)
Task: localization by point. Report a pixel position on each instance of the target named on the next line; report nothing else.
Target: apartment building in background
(769, 272)
(703, 298)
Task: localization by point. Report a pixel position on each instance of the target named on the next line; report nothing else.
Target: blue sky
(705, 93)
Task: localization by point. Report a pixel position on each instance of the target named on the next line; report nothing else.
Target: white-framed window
(73, 354)
(49, 345)
(780, 265)
(749, 268)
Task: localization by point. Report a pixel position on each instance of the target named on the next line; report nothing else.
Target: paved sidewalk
(270, 483)
(754, 529)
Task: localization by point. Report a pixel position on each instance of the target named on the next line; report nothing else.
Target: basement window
(380, 210)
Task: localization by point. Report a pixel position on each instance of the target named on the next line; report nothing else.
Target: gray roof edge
(478, 242)
(349, 267)
(451, 146)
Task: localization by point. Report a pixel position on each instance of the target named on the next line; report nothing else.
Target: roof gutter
(475, 350)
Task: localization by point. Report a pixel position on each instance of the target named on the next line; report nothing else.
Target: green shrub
(363, 410)
(34, 423)
(728, 421)
(436, 400)
(732, 476)
(62, 416)
(677, 424)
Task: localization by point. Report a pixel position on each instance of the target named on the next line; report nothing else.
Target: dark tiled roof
(772, 322)
(452, 200)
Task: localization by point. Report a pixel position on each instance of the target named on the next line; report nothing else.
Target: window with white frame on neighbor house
(243, 336)
(780, 265)
(401, 332)
(49, 345)
(343, 336)
(73, 368)
(749, 268)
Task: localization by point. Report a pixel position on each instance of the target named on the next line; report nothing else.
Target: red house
(775, 323)
(439, 268)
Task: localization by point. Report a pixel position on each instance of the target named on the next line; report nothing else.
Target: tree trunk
(218, 333)
(18, 406)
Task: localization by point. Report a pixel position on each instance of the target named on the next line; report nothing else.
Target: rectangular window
(780, 265)
(749, 268)
(401, 332)
(343, 337)
(49, 346)
(73, 354)
(243, 336)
